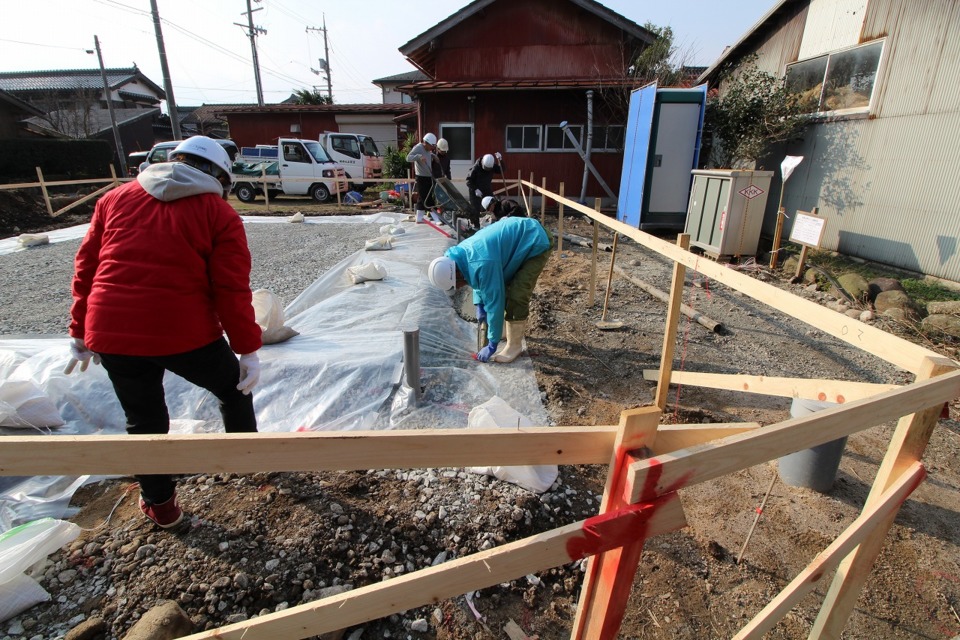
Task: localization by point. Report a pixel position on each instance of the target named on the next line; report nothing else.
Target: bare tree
(71, 115)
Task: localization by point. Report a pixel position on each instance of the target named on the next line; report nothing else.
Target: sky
(209, 57)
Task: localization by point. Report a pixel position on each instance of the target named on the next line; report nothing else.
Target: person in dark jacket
(502, 208)
(441, 167)
(480, 183)
(162, 273)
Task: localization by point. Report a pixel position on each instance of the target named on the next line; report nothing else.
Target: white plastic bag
(20, 594)
(369, 271)
(269, 315)
(26, 545)
(383, 243)
(392, 230)
(495, 412)
(297, 217)
(33, 239)
(24, 405)
(21, 548)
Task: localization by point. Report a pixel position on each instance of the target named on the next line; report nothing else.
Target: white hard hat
(487, 161)
(443, 145)
(209, 150)
(430, 139)
(443, 274)
(486, 202)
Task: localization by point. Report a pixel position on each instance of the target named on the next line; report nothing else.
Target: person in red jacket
(162, 273)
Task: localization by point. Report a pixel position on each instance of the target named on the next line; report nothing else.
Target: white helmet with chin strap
(486, 202)
(443, 145)
(488, 161)
(430, 139)
(204, 148)
(443, 274)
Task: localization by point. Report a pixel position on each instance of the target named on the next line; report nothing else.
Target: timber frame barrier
(648, 464)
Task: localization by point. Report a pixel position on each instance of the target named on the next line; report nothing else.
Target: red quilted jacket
(156, 277)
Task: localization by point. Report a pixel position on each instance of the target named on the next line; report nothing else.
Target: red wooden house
(503, 75)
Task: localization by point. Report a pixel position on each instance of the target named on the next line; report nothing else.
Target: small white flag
(788, 165)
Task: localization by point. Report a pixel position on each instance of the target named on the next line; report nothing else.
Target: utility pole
(167, 84)
(121, 156)
(252, 32)
(325, 62)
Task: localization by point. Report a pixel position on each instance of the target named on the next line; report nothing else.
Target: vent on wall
(294, 128)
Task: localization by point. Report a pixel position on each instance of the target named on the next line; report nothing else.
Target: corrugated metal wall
(887, 183)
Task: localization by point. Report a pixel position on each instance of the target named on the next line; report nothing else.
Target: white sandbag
(392, 230)
(495, 412)
(369, 271)
(26, 545)
(297, 217)
(19, 594)
(383, 243)
(23, 404)
(269, 315)
(33, 239)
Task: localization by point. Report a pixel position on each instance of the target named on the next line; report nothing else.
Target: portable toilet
(661, 148)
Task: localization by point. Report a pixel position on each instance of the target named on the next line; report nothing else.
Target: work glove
(249, 372)
(498, 156)
(478, 193)
(80, 354)
(481, 313)
(486, 353)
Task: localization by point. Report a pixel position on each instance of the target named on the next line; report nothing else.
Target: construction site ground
(265, 542)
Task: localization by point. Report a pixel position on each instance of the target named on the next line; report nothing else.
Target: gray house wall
(886, 180)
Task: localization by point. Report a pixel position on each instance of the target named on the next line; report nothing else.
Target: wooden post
(609, 575)
(778, 231)
(266, 191)
(593, 261)
(43, 188)
(906, 447)
(803, 256)
(673, 318)
(560, 223)
(543, 200)
(113, 174)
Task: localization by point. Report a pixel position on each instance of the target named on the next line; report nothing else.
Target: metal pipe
(411, 361)
(586, 160)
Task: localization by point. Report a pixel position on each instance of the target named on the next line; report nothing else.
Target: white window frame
(524, 149)
(821, 107)
(575, 128)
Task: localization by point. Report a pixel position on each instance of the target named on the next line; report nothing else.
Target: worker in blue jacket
(502, 263)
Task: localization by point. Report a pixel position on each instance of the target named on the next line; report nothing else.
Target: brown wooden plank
(672, 324)
(669, 472)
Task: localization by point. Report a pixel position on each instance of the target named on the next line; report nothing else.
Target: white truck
(293, 167)
(357, 153)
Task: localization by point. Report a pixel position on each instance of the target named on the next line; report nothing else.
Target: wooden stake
(593, 260)
(609, 576)
(543, 201)
(560, 224)
(673, 319)
(43, 188)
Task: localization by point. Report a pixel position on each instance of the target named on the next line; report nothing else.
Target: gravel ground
(286, 259)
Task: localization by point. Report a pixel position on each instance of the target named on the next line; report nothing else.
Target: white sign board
(808, 229)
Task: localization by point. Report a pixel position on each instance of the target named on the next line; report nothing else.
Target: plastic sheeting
(343, 372)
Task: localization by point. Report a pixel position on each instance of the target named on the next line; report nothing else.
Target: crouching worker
(163, 271)
(498, 209)
(502, 263)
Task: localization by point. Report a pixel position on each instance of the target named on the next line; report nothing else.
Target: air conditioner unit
(294, 128)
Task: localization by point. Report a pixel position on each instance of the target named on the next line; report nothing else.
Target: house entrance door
(460, 137)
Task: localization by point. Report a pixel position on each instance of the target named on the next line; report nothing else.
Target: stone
(789, 266)
(867, 316)
(165, 621)
(89, 629)
(894, 299)
(810, 276)
(942, 323)
(946, 307)
(854, 284)
(878, 285)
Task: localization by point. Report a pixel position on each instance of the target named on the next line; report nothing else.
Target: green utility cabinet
(725, 211)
